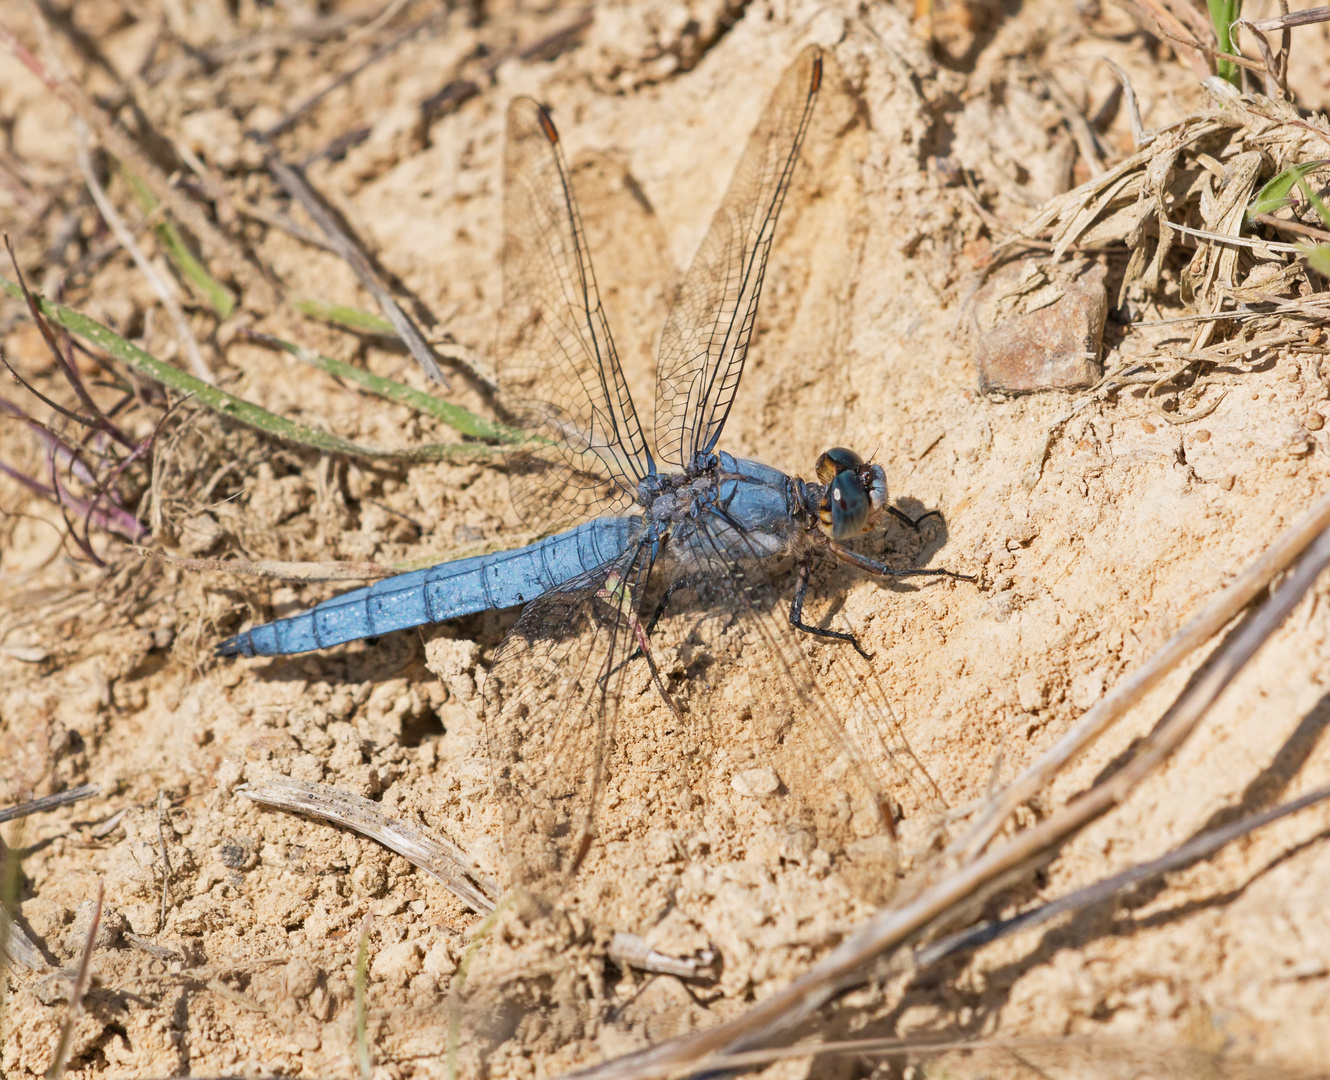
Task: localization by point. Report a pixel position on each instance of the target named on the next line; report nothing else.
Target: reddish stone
(1040, 327)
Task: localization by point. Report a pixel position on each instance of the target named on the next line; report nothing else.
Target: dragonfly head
(855, 493)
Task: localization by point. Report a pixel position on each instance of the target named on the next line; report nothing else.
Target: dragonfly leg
(650, 627)
(644, 650)
(797, 613)
(614, 595)
(660, 607)
(872, 566)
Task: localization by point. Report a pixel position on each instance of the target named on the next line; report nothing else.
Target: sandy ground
(1094, 536)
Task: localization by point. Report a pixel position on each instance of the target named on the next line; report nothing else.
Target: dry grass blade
(298, 188)
(1202, 627)
(1292, 18)
(959, 890)
(126, 239)
(444, 862)
(364, 1061)
(1082, 1057)
(1185, 855)
(57, 1067)
(49, 802)
(276, 569)
(1192, 851)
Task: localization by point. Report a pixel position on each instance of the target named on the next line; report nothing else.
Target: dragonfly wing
(746, 759)
(773, 738)
(551, 699)
(556, 359)
(705, 340)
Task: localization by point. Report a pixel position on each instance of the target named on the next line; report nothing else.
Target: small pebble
(756, 783)
(1314, 422)
(1202, 436)
(1038, 332)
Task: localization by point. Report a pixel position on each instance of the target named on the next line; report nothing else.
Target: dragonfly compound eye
(836, 460)
(845, 506)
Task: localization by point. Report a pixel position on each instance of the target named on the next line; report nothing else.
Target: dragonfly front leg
(797, 612)
(914, 523)
(872, 566)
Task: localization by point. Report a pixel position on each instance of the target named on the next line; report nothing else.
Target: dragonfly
(651, 632)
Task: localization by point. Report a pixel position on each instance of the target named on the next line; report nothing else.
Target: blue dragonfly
(651, 626)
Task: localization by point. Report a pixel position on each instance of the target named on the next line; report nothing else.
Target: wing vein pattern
(557, 362)
(705, 340)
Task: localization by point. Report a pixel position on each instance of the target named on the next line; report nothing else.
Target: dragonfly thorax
(854, 496)
(675, 496)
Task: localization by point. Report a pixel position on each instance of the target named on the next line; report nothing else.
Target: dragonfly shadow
(920, 543)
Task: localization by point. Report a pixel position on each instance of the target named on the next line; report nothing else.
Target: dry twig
(298, 188)
(444, 862)
(75, 1010)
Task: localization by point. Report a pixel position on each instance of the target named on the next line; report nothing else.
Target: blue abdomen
(446, 591)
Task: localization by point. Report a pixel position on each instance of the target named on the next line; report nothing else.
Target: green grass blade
(463, 420)
(1223, 13)
(228, 404)
(1275, 195)
(1317, 256)
(217, 295)
(364, 322)
(363, 1060)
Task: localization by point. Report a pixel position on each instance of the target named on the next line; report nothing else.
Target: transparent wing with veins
(705, 340)
(556, 359)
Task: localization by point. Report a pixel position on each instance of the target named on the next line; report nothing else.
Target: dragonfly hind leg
(797, 613)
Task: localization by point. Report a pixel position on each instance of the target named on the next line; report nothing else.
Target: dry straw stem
(49, 802)
(298, 188)
(443, 861)
(1200, 629)
(275, 568)
(956, 893)
(57, 1067)
(127, 241)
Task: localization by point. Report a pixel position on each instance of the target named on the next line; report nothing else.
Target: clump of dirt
(1095, 523)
